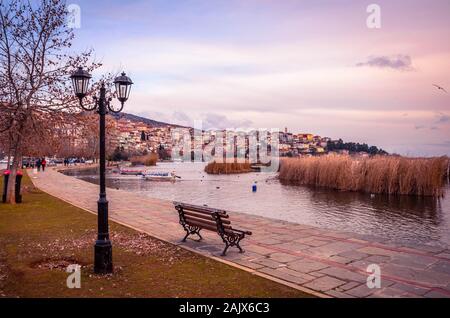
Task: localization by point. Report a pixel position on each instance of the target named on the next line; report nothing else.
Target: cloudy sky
(309, 65)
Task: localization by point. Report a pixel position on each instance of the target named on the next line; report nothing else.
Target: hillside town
(138, 135)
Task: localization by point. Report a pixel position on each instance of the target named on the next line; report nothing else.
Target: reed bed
(228, 167)
(378, 174)
(146, 160)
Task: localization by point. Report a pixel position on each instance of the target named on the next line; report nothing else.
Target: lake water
(400, 219)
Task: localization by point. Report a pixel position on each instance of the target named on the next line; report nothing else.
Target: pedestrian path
(322, 261)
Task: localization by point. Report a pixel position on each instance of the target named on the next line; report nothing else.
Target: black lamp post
(80, 80)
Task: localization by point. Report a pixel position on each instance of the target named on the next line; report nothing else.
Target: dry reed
(228, 167)
(146, 160)
(378, 174)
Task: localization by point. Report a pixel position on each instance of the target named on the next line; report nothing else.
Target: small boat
(160, 176)
(132, 172)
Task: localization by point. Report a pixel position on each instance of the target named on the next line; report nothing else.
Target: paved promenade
(313, 259)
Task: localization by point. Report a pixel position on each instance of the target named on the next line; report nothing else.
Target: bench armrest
(243, 232)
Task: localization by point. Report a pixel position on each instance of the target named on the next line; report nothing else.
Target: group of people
(34, 163)
(41, 163)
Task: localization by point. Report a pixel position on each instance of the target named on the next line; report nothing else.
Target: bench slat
(202, 225)
(212, 223)
(201, 209)
(204, 216)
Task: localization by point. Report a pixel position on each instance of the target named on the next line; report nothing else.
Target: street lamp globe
(123, 87)
(80, 82)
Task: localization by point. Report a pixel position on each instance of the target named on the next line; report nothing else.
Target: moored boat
(160, 176)
(131, 172)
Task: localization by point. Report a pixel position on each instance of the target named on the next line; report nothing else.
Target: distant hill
(147, 121)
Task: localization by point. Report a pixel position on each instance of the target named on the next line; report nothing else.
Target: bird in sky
(440, 87)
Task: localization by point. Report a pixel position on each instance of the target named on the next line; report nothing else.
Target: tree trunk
(9, 160)
(16, 165)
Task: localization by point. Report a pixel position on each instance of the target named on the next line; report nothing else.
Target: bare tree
(35, 63)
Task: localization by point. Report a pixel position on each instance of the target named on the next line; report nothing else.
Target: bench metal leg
(185, 237)
(240, 248)
(224, 253)
(191, 230)
(232, 240)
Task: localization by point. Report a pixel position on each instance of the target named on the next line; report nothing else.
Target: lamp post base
(103, 257)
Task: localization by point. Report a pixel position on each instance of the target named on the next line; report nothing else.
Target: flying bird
(440, 87)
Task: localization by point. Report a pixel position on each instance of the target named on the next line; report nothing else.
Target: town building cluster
(137, 137)
(301, 144)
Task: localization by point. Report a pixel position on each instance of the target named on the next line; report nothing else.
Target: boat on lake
(160, 176)
(131, 171)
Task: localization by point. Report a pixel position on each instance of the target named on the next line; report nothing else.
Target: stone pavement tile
(306, 238)
(360, 264)
(411, 289)
(348, 286)
(353, 255)
(300, 227)
(248, 255)
(268, 262)
(441, 266)
(248, 264)
(313, 231)
(431, 248)
(445, 254)
(333, 248)
(372, 250)
(302, 234)
(311, 241)
(304, 276)
(416, 261)
(210, 249)
(390, 292)
(338, 294)
(333, 234)
(316, 274)
(278, 230)
(324, 283)
(286, 237)
(356, 240)
(269, 241)
(436, 294)
(371, 238)
(283, 257)
(259, 249)
(377, 259)
(282, 275)
(344, 274)
(361, 291)
(292, 246)
(340, 259)
(433, 278)
(306, 265)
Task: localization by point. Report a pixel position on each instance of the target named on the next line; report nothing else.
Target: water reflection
(403, 219)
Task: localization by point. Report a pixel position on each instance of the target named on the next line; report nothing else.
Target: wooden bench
(195, 218)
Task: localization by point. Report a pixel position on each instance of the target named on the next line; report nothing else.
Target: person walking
(43, 163)
(38, 164)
